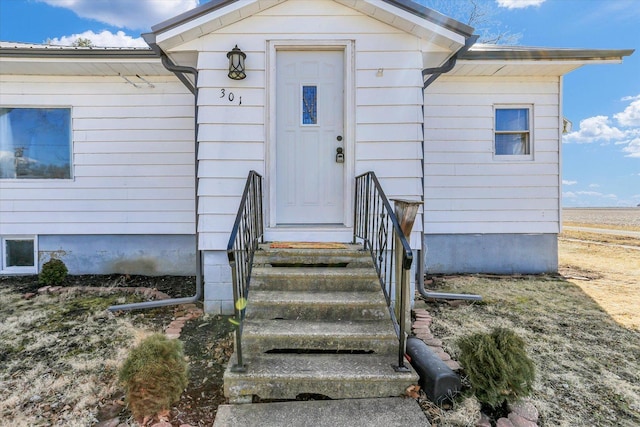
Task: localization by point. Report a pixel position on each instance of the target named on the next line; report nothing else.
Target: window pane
(35, 143)
(19, 253)
(512, 144)
(309, 105)
(512, 119)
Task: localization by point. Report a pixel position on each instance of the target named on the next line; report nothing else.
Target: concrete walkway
(384, 412)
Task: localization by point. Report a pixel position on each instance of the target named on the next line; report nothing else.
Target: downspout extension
(179, 71)
(434, 73)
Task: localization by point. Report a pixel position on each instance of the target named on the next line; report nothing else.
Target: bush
(154, 375)
(497, 366)
(53, 272)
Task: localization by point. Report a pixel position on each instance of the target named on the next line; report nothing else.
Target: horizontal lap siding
(388, 117)
(133, 159)
(466, 189)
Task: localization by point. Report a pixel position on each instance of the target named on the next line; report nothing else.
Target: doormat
(307, 245)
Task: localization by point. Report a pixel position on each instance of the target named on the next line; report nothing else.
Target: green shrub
(53, 272)
(497, 366)
(154, 375)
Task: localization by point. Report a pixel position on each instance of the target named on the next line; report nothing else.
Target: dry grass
(60, 356)
(582, 329)
(618, 218)
(588, 366)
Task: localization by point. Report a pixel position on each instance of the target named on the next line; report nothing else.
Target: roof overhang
(25, 59)
(497, 60)
(402, 14)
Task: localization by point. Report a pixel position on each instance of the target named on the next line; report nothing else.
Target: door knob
(339, 155)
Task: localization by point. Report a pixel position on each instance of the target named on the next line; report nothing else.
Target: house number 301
(229, 96)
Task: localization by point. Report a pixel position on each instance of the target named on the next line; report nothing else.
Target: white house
(134, 160)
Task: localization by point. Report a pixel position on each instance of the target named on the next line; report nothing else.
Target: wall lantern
(236, 64)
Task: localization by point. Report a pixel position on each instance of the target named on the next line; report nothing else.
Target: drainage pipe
(434, 73)
(180, 72)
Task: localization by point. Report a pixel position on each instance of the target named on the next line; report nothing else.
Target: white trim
(23, 269)
(347, 46)
(514, 157)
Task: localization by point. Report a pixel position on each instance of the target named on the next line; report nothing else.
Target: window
(512, 132)
(309, 105)
(35, 143)
(18, 254)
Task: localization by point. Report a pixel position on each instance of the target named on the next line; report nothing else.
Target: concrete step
(278, 376)
(352, 256)
(322, 306)
(260, 336)
(313, 279)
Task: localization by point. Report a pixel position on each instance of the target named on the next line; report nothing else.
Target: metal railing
(377, 225)
(247, 233)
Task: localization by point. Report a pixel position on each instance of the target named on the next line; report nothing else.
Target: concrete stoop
(316, 324)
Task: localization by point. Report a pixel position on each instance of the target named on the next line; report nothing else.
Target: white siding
(466, 189)
(133, 159)
(233, 138)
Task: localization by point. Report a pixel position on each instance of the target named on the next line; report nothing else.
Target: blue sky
(601, 156)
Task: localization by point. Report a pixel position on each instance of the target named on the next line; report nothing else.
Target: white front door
(309, 137)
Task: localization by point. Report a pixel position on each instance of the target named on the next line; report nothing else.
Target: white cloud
(633, 148)
(519, 4)
(630, 116)
(101, 39)
(132, 14)
(630, 98)
(594, 185)
(597, 128)
(569, 195)
(596, 194)
(567, 182)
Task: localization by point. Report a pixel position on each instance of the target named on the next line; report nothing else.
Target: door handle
(339, 155)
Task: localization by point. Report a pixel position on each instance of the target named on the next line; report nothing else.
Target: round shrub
(497, 366)
(154, 375)
(53, 272)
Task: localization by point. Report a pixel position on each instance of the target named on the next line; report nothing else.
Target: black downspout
(434, 73)
(179, 71)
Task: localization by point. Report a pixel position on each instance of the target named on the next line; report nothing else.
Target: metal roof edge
(519, 53)
(66, 52)
(433, 16)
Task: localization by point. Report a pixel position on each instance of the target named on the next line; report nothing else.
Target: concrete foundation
(491, 253)
(150, 255)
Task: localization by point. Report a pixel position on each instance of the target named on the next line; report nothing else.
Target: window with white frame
(35, 143)
(19, 254)
(512, 130)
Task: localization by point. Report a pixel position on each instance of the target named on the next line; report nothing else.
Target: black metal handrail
(247, 233)
(377, 225)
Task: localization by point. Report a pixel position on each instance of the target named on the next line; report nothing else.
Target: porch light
(236, 64)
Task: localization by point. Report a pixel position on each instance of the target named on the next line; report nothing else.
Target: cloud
(567, 182)
(101, 39)
(594, 185)
(132, 14)
(596, 194)
(597, 128)
(519, 4)
(625, 132)
(630, 116)
(633, 148)
(569, 195)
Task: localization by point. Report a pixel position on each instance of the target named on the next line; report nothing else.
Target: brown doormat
(307, 245)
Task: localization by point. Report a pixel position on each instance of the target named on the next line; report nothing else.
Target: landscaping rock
(484, 421)
(504, 422)
(525, 409)
(519, 421)
(114, 422)
(29, 295)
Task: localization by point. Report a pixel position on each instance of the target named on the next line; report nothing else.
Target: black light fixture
(236, 64)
